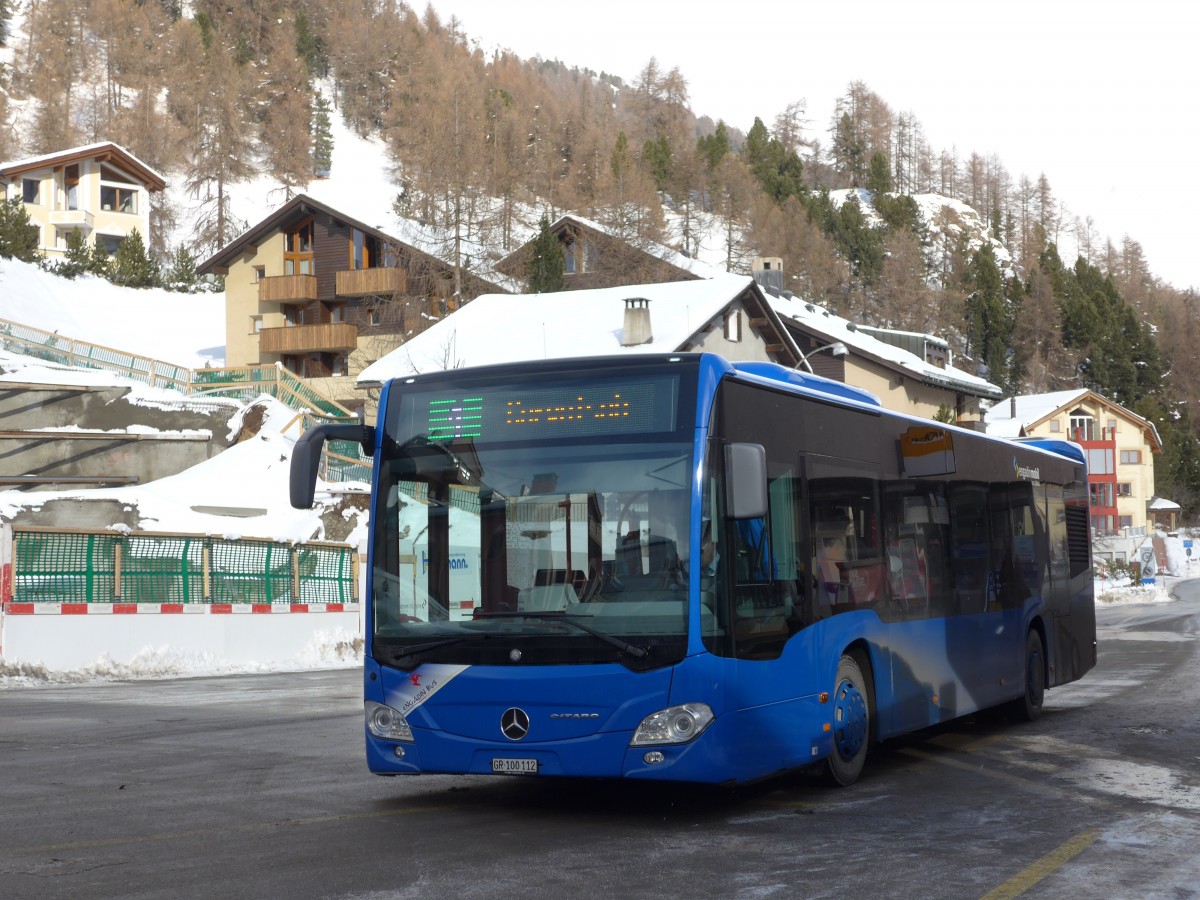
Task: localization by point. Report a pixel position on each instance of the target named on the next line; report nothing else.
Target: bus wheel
(1029, 706)
(851, 723)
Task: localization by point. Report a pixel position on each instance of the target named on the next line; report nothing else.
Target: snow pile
(335, 649)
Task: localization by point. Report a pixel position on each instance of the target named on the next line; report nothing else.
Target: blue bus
(679, 568)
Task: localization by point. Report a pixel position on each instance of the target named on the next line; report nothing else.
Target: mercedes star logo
(514, 723)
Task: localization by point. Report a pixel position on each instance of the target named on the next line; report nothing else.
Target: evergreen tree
(712, 148)
(546, 263)
(18, 234)
(861, 244)
(181, 276)
(100, 263)
(322, 137)
(879, 175)
(310, 48)
(77, 259)
(989, 326)
(132, 267)
(777, 170)
(657, 155)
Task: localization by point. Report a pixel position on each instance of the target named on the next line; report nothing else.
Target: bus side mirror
(745, 481)
(306, 457)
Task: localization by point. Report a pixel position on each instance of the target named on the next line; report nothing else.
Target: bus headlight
(387, 723)
(673, 725)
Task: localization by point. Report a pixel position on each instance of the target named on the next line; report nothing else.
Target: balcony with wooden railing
(371, 282)
(333, 337)
(287, 289)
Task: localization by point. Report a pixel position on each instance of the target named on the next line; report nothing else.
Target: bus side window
(969, 546)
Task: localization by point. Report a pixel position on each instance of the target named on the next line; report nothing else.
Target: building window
(260, 274)
(1054, 426)
(1125, 521)
(1082, 425)
(733, 325)
(364, 250)
(341, 364)
(1124, 489)
(374, 318)
(71, 186)
(337, 312)
(293, 316)
(109, 243)
(1099, 460)
(118, 199)
(30, 187)
(1131, 457)
(1101, 493)
(569, 257)
(298, 248)
(256, 325)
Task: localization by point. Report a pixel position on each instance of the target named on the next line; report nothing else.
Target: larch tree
(222, 140)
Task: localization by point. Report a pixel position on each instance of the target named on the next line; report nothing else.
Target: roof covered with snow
(829, 327)
(1013, 414)
(500, 328)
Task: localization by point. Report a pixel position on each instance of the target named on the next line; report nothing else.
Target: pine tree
(132, 267)
(879, 174)
(713, 147)
(18, 234)
(657, 156)
(78, 257)
(989, 328)
(546, 264)
(181, 276)
(322, 138)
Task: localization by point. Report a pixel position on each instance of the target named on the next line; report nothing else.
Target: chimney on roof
(1012, 407)
(637, 322)
(768, 272)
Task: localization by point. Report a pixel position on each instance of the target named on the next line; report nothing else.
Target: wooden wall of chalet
(331, 244)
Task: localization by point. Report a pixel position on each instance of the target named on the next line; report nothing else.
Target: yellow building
(1120, 447)
(101, 191)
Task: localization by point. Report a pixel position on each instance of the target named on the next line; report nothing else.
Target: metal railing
(237, 382)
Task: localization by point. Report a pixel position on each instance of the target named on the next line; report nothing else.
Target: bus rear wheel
(1028, 706)
(851, 723)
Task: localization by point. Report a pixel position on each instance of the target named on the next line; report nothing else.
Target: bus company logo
(415, 678)
(1026, 472)
(412, 701)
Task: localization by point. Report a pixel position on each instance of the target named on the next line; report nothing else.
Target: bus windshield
(517, 520)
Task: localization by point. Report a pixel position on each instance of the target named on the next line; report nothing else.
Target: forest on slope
(481, 145)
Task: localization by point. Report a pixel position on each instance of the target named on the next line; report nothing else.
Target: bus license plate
(509, 766)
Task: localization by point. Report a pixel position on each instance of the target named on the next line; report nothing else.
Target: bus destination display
(540, 413)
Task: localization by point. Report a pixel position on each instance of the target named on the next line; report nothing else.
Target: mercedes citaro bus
(679, 568)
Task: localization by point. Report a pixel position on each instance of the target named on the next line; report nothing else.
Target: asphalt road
(254, 786)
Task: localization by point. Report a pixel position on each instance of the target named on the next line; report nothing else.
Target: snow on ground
(334, 649)
(185, 329)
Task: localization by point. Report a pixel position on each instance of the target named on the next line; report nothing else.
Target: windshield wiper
(418, 649)
(560, 616)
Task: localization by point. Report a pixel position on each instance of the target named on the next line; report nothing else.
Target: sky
(1096, 95)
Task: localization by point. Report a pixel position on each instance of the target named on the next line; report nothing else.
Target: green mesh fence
(74, 567)
(162, 569)
(251, 572)
(64, 568)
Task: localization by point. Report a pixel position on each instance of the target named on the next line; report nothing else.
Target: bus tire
(851, 723)
(1028, 707)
